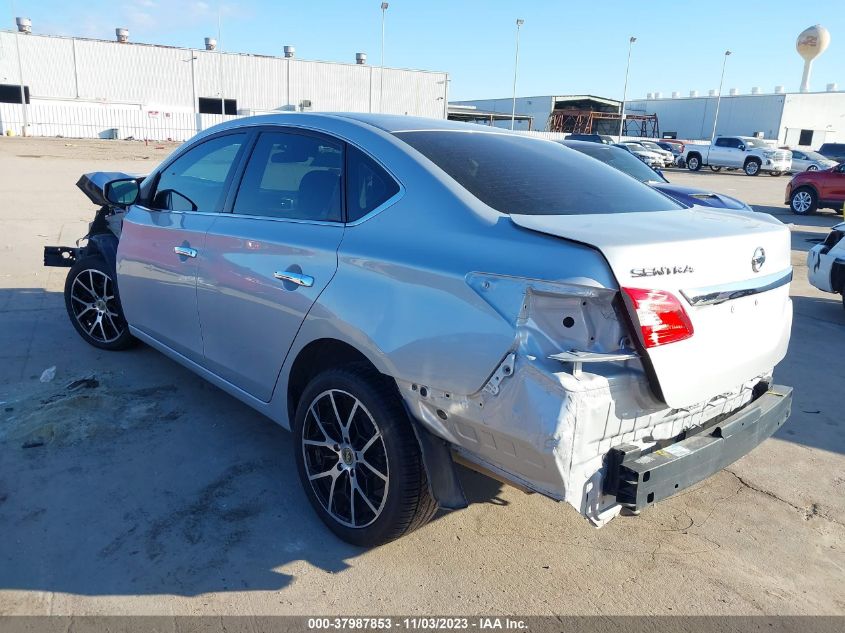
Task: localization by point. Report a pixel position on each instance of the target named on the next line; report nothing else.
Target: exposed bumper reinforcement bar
(639, 480)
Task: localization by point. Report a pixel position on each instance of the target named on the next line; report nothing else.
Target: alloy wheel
(802, 201)
(95, 306)
(345, 458)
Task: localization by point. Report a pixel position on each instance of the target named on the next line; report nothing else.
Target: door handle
(184, 251)
(297, 278)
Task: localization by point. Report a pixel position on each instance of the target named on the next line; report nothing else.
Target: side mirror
(742, 148)
(122, 192)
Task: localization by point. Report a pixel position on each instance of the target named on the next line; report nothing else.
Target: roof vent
(733, 92)
(122, 34)
(361, 58)
(779, 90)
(712, 92)
(649, 95)
(755, 90)
(210, 44)
(675, 94)
(290, 52)
(693, 93)
(658, 95)
(24, 25)
(831, 87)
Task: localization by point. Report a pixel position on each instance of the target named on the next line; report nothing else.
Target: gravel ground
(144, 490)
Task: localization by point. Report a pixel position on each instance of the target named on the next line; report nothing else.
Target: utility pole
(519, 23)
(631, 41)
(719, 96)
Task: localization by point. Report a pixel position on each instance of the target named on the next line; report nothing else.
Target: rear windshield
(528, 176)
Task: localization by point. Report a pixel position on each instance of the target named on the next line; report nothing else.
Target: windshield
(651, 145)
(522, 175)
(623, 161)
(814, 156)
(756, 142)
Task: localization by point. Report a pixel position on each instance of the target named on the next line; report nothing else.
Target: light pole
(631, 41)
(384, 6)
(719, 96)
(519, 23)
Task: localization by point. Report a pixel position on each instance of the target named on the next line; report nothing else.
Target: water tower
(811, 43)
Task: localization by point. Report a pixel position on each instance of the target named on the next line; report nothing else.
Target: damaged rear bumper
(638, 480)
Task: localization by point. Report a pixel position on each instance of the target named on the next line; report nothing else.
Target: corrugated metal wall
(70, 81)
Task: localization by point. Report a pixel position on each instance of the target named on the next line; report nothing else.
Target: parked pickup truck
(752, 155)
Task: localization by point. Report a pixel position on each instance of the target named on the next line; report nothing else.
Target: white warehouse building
(795, 118)
(77, 87)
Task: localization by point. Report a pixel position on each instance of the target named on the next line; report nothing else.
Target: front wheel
(93, 305)
(693, 163)
(358, 457)
(715, 168)
(812, 168)
(752, 168)
(775, 173)
(803, 201)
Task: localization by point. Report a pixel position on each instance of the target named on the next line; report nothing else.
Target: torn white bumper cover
(598, 442)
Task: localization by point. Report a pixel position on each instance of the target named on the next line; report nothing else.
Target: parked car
(674, 145)
(826, 263)
(649, 158)
(406, 293)
(625, 162)
(591, 138)
(809, 191)
(675, 148)
(750, 154)
(833, 151)
(668, 156)
(808, 160)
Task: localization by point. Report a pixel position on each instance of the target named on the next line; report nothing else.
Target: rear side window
(368, 186)
(293, 176)
(522, 175)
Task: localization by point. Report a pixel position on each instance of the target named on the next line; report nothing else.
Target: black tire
(693, 162)
(803, 201)
(812, 168)
(775, 173)
(715, 168)
(93, 305)
(400, 490)
(752, 167)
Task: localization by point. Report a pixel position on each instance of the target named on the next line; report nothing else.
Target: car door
(163, 237)
(270, 255)
(835, 186)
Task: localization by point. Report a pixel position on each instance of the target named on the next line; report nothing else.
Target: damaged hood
(710, 260)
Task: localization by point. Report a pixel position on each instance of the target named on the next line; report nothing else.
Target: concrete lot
(159, 494)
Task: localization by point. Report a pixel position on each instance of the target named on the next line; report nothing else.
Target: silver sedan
(408, 294)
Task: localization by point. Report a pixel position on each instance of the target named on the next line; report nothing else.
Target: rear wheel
(812, 168)
(694, 162)
(93, 305)
(358, 458)
(803, 201)
(775, 173)
(752, 167)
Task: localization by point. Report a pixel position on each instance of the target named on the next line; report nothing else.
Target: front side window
(368, 186)
(196, 181)
(723, 142)
(522, 175)
(293, 176)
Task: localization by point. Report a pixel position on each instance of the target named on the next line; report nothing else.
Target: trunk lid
(740, 310)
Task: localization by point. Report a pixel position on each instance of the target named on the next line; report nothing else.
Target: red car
(812, 190)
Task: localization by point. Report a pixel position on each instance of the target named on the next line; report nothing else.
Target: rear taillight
(661, 317)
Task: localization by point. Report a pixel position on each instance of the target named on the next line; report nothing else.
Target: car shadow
(144, 478)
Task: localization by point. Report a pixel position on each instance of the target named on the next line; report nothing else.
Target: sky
(566, 47)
